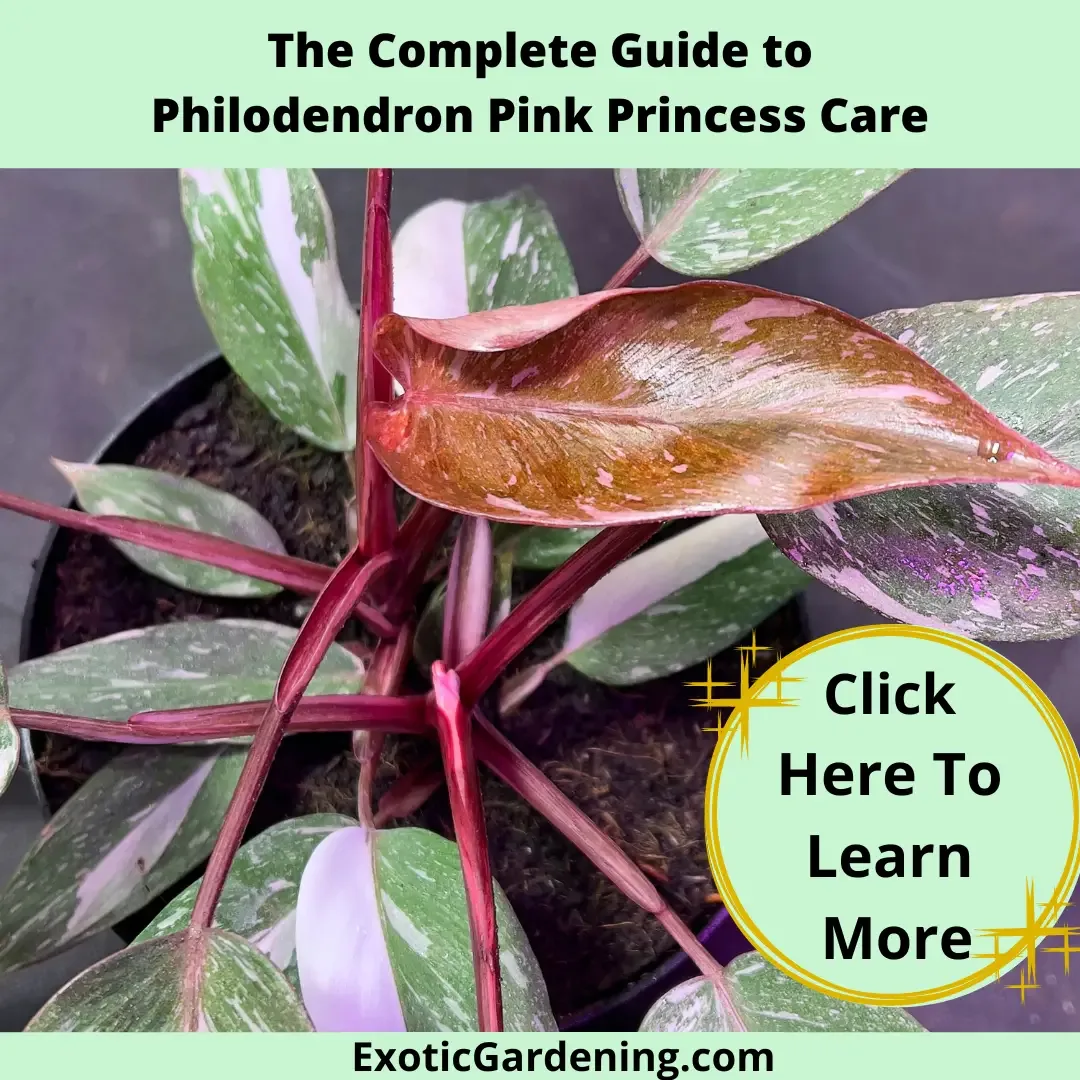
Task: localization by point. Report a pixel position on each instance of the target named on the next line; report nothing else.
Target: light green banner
(959, 86)
(805, 1056)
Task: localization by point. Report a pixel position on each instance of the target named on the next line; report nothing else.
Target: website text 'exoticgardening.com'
(666, 1063)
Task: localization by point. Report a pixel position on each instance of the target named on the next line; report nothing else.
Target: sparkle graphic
(751, 695)
(1028, 936)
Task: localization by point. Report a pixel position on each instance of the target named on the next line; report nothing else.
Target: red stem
(80, 727)
(323, 623)
(331, 712)
(521, 775)
(517, 772)
(377, 519)
(550, 599)
(290, 573)
(455, 738)
(629, 269)
(416, 543)
(409, 792)
(328, 712)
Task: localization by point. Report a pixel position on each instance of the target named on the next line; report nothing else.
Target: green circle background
(1024, 831)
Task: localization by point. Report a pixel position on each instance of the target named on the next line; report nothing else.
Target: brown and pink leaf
(646, 404)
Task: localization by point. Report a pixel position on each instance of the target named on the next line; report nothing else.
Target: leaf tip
(69, 470)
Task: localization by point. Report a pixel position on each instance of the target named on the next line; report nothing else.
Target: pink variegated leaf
(647, 404)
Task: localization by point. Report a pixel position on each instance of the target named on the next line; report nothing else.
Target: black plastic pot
(620, 1012)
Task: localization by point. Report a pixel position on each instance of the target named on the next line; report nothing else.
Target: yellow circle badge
(893, 815)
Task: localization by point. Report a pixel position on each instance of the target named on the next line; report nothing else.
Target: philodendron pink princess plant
(920, 461)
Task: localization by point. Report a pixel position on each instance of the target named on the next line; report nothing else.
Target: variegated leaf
(127, 491)
(173, 666)
(267, 279)
(712, 222)
(134, 828)
(453, 257)
(671, 606)
(382, 939)
(9, 752)
(766, 1000)
(639, 405)
(679, 602)
(998, 563)
(210, 981)
(259, 899)
(9, 738)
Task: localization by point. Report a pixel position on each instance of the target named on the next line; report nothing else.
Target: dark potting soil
(635, 760)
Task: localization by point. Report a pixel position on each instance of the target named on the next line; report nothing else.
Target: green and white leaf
(417, 975)
(128, 491)
(211, 982)
(174, 666)
(258, 902)
(10, 740)
(137, 826)
(712, 222)
(427, 929)
(671, 606)
(765, 999)
(452, 257)
(9, 752)
(266, 275)
(998, 563)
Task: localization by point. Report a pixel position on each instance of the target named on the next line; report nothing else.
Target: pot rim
(103, 450)
(637, 996)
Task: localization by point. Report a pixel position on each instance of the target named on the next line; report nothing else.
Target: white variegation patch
(138, 825)
(673, 605)
(649, 577)
(345, 975)
(429, 262)
(259, 899)
(266, 275)
(128, 491)
(452, 257)
(383, 939)
(173, 666)
(712, 222)
(105, 886)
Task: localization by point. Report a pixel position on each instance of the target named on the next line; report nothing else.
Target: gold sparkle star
(751, 694)
(1027, 937)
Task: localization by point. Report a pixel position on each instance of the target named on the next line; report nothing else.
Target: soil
(635, 760)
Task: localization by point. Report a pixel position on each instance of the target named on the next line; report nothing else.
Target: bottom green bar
(662, 1057)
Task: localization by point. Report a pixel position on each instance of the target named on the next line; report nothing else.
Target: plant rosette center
(918, 793)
